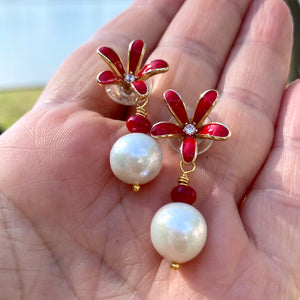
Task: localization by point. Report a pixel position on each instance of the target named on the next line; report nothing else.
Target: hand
(71, 230)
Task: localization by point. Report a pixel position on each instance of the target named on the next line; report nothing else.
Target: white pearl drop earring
(178, 230)
(135, 158)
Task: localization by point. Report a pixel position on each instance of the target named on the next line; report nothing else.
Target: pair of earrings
(178, 230)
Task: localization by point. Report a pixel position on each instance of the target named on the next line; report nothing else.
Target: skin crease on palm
(71, 230)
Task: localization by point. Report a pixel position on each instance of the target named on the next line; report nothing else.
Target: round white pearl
(178, 232)
(136, 158)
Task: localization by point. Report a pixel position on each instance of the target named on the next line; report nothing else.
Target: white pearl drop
(136, 158)
(178, 232)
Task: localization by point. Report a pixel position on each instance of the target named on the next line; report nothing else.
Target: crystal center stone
(190, 129)
(129, 78)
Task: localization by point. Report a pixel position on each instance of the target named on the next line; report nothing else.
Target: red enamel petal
(136, 53)
(107, 77)
(189, 149)
(176, 107)
(205, 104)
(113, 59)
(140, 88)
(154, 67)
(165, 129)
(214, 131)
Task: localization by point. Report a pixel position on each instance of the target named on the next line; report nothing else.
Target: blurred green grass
(15, 103)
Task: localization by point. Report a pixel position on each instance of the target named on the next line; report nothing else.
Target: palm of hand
(70, 229)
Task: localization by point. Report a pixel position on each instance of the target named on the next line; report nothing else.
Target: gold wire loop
(183, 180)
(141, 102)
(140, 108)
(185, 172)
(140, 111)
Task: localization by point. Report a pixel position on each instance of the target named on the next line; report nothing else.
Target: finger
(75, 81)
(271, 211)
(196, 45)
(253, 83)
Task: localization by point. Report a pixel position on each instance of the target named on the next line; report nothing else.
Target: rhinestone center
(129, 78)
(190, 129)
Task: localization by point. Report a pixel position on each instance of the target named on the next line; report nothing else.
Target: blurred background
(38, 35)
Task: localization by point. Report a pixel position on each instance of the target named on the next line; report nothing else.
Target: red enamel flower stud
(190, 129)
(128, 86)
(178, 230)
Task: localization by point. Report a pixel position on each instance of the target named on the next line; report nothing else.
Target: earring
(178, 230)
(135, 158)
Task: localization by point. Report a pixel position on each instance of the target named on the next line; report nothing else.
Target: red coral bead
(182, 193)
(137, 123)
